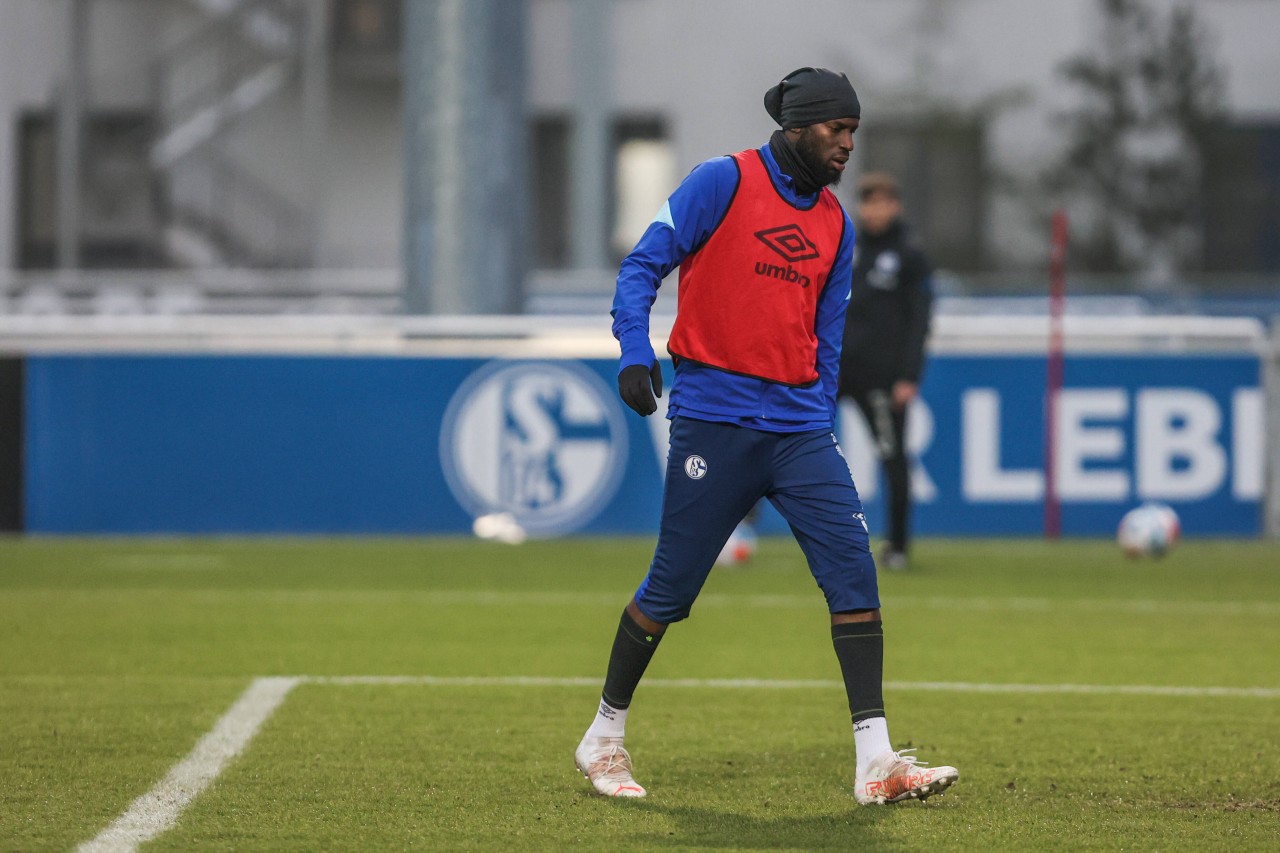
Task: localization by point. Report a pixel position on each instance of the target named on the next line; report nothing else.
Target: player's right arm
(685, 223)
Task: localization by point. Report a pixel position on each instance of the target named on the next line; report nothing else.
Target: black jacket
(888, 318)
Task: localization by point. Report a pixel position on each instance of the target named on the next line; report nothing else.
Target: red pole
(1053, 373)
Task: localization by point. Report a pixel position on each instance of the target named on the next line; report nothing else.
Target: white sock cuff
(608, 722)
(870, 739)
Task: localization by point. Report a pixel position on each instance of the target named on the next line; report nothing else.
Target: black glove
(637, 385)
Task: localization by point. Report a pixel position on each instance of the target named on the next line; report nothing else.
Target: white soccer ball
(499, 527)
(1148, 531)
(740, 548)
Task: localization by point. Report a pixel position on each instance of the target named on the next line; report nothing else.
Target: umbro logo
(790, 242)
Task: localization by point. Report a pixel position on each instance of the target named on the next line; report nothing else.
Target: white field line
(799, 684)
(534, 598)
(158, 809)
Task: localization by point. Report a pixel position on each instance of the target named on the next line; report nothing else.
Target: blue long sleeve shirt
(683, 226)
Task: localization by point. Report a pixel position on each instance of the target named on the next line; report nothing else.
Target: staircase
(242, 54)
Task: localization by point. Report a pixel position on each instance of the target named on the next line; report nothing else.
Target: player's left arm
(829, 322)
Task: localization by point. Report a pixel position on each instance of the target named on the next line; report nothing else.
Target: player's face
(877, 211)
(826, 147)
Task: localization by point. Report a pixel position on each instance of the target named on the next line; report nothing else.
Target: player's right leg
(711, 484)
(816, 495)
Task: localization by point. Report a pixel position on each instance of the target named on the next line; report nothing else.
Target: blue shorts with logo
(716, 472)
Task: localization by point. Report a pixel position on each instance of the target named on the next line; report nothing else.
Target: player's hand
(638, 385)
(903, 393)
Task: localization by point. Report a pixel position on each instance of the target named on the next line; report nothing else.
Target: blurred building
(268, 134)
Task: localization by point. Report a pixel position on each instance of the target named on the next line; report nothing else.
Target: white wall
(707, 64)
(703, 64)
(364, 193)
(34, 64)
(122, 35)
(356, 191)
(1245, 33)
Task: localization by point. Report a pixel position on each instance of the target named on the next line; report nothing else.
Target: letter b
(1178, 425)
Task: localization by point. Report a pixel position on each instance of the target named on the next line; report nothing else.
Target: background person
(884, 338)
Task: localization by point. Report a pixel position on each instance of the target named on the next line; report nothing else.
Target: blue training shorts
(716, 472)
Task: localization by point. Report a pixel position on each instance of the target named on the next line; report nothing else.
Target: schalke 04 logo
(544, 441)
(695, 467)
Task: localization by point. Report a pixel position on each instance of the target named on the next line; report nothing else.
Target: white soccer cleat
(607, 765)
(893, 777)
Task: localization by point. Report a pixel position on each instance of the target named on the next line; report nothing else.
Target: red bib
(748, 298)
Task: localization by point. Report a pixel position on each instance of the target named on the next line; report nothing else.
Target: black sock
(860, 649)
(633, 647)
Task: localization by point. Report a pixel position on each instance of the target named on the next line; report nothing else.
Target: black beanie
(811, 95)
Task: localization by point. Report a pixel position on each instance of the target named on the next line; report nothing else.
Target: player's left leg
(815, 494)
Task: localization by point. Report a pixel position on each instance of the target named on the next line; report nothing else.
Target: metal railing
(217, 213)
(204, 292)
(242, 221)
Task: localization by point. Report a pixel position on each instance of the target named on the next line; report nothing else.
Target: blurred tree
(1132, 166)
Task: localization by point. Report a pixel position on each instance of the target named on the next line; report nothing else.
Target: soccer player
(765, 257)
(884, 337)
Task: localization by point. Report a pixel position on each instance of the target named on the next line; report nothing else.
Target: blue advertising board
(1181, 430)
(336, 444)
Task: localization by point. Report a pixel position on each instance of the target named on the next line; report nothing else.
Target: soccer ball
(499, 527)
(1148, 531)
(740, 548)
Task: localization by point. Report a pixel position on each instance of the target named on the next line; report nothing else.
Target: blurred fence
(568, 292)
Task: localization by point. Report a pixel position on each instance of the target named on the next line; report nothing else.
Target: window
(37, 192)
(549, 177)
(642, 167)
(116, 195)
(644, 174)
(1241, 197)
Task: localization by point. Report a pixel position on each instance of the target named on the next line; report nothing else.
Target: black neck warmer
(792, 164)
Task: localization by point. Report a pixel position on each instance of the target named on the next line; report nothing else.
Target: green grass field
(117, 656)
